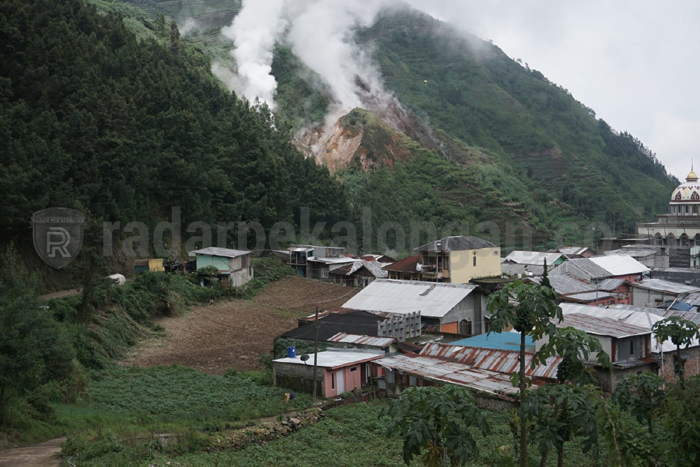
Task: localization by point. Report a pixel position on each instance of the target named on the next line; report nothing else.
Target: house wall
(649, 298)
(609, 379)
(465, 310)
(298, 377)
(692, 364)
(353, 378)
(462, 269)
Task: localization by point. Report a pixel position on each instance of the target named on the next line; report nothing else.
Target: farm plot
(235, 334)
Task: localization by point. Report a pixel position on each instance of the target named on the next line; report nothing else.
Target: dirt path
(38, 455)
(235, 334)
(60, 294)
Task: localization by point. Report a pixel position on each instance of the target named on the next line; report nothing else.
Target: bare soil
(40, 455)
(236, 333)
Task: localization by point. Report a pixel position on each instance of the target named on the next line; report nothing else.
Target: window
(332, 380)
(631, 346)
(324, 273)
(474, 258)
(687, 209)
(354, 368)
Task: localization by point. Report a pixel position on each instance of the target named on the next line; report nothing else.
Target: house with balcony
(302, 258)
(459, 259)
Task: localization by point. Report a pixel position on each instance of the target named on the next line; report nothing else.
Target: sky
(635, 62)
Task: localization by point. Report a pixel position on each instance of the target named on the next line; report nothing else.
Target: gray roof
(567, 285)
(513, 269)
(610, 284)
(433, 299)
(456, 244)
(573, 250)
(223, 252)
(601, 326)
(533, 257)
(692, 298)
(588, 296)
(601, 267)
(660, 285)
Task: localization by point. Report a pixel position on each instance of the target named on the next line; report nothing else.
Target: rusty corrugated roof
(362, 339)
(500, 361)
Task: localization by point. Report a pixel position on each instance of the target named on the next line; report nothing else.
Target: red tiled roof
(405, 265)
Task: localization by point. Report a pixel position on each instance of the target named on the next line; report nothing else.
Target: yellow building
(459, 259)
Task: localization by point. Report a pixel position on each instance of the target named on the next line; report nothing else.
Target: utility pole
(315, 352)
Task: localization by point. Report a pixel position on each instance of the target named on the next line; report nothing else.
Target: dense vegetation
(124, 129)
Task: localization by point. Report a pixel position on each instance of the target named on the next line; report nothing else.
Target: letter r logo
(57, 239)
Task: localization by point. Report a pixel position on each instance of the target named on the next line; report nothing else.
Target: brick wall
(692, 364)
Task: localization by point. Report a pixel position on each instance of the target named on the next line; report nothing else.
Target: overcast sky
(635, 62)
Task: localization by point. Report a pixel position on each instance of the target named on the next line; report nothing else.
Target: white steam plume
(253, 32)
(320, 33)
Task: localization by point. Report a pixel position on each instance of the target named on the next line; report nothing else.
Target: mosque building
(680, 228)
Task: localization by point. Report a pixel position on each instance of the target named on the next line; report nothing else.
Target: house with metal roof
(644, 317)
(459, 259)
(573, 252)
(450, 308)
(338, 370)
(655, 292)
(628, 345)
(408, 269)
(300, 255)
(359, 273)
(599, 293)
(485, 371)
(235, 266)
(597, 268)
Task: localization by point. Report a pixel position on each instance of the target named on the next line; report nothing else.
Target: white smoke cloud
(254, 31)
(188, 26)
(320, 33)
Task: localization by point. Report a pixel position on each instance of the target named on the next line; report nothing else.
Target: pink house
(339, 371)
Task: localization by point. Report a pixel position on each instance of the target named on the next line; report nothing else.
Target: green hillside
(124, 129)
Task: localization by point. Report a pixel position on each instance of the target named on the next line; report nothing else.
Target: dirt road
(39, 455)
(235, 334)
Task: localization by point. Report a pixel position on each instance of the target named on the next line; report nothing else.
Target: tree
(643, 395)
(174, 37)
(681, 332)
(574, 347)
(529, 308)
(559, 412)
(437, 419)
(682, 413)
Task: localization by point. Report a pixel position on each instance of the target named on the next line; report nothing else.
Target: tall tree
(529, 308)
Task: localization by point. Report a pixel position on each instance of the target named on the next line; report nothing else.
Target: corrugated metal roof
(362, 340)
(601, 326)
(566, 285)
(634, 253)
(619, 265)
(334, 358)
(573, 250)
(376, 269)
(513, 269)
(405, 265)
(580, 267)
(501, 361)
(433, 299)
(642, 317)
(453, 373)
(533, 257)
(660, 285)
(456, 243)
(300, 248)
(224, 252)
(610, 284)
(692, 298)
(693, 316)
(588, 296)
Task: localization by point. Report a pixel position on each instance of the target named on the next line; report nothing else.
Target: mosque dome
(688, 191)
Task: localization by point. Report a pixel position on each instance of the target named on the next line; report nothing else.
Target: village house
(484, 371)
(628, 345)
(651, 256)
(146, 265)
(601, 293)
(358, 273)
(304, 259)
(656, 292)
(459, 259)
(446, 308)
(339, 371)
(407, 269)
(235, 266)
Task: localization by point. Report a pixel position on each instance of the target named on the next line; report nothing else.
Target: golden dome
(692, 177)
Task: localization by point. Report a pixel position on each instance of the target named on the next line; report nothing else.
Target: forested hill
(123, 129)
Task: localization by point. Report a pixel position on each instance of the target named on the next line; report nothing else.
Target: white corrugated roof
(660, 285)
(433, 299)
(533, 257)
(334, 358)
(619, 265)
(224, 252)
(345, 338)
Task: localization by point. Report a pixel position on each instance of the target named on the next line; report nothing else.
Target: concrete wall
(609, 379)
(687, 276)
(465, 310)
(462, 268)
(298, 377)
(649, 298)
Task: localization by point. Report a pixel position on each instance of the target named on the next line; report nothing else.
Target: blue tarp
(501, 341)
